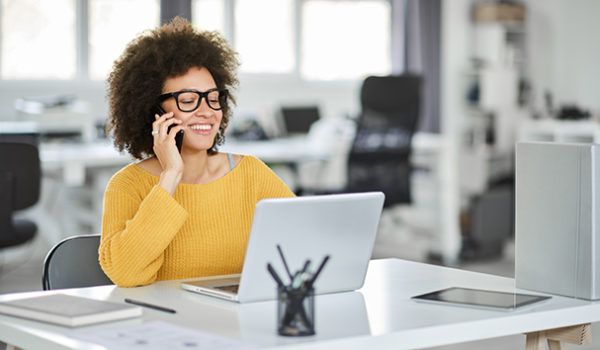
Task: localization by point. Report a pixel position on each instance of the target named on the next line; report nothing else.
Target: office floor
(21, 270)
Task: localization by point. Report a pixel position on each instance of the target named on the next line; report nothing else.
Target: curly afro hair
(139, 74)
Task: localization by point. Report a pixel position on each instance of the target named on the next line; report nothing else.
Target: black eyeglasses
(189, 100)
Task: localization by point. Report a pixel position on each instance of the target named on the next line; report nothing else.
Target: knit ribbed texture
(149, 235)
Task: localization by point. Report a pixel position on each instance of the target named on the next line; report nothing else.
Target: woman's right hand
(166, 150)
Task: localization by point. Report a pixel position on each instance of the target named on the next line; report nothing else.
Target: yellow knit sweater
(202, 230)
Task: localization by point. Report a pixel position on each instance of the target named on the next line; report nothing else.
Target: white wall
(564, 51)
(264, 94)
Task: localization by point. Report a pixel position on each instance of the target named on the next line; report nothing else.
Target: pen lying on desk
(151, 306)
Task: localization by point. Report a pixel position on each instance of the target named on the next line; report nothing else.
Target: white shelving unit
(498, 58)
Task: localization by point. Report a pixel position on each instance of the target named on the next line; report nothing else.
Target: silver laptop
(342, 226)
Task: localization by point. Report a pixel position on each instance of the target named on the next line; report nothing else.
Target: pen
(306, 266)
(274, 274)
(287, 269)
(301, 276)
(151, 306)
(311, 282)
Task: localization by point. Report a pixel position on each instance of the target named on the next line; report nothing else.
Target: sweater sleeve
(136, 230)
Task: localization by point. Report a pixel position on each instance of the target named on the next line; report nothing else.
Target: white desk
(379, 316)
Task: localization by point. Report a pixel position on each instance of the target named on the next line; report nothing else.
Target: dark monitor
(297, 120)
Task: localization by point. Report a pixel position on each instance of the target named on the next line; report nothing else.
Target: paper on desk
(158, 335)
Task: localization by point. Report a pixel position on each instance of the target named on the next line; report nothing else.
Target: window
(113, 24)
(264, 35)
(345, 39)
(38, 39)
(315, 39)
(209, 14)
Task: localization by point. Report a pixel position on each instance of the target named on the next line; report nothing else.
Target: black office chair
(379, 159)
(73, 263)
(20, 178)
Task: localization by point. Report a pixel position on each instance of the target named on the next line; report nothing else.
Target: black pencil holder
(295, 311)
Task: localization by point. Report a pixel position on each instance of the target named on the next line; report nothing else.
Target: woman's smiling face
(202, 124)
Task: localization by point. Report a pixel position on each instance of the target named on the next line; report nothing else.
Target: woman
(177, 213)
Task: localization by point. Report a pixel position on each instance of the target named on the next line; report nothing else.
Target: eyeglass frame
(223, 93)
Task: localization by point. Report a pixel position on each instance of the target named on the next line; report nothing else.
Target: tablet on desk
(480, 298)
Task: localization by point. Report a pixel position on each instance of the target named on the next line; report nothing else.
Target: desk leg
(535, 341)
(580, 334)
(554, 345)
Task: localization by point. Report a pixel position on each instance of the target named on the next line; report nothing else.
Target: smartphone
(179, 136)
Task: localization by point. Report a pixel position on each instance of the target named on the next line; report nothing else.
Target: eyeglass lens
(190, 100)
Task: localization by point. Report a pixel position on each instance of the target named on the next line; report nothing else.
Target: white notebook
(68, 310)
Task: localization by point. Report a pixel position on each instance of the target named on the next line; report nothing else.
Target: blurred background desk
(75, 174)
(75, 159)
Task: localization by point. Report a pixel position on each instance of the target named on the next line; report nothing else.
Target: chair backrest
(73, 263)
(20, 170)
(380, 154)
(20, 178)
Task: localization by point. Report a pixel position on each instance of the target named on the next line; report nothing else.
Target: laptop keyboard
(233, 288)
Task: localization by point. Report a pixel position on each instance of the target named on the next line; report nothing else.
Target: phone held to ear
(179, 136)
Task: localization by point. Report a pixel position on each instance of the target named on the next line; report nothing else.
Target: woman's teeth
(200, 127)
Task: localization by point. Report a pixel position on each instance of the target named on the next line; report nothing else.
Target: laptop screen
(297, 120)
